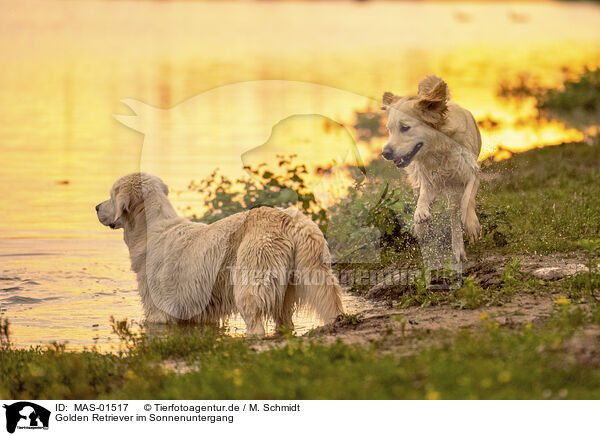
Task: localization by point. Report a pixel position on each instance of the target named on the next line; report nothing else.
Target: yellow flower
(562, 301)
(433, 395)
(528, 326)
(483, 316)
(504, 377)
(237, 380)
(493, 325)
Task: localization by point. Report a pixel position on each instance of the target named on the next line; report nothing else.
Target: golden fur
(263, 263)
(438, 142)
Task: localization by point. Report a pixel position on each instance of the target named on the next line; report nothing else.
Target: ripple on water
(18, 299)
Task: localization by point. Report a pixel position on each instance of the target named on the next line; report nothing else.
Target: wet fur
(446, 163)
(193, 272)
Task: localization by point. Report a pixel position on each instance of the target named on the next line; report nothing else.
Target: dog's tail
(315, 283)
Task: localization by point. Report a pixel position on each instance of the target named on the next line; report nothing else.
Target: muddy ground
(404, 330)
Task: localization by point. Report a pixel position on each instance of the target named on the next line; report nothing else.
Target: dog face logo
(204, 131)
(26, 415)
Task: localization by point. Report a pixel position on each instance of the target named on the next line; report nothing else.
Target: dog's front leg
(152, 314)
(422, 213)
(456, 229)
(426, 197)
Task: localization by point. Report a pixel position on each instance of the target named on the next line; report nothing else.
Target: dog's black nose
(97, 207)
(387, 152)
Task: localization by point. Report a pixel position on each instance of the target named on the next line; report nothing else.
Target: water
(67, 65)
(67, 290)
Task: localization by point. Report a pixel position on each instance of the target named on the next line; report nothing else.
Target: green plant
(472, 296)
(372, 219)
(283, 187)
(351, 319)
(369, 125)
(576, 101)
(124, 331)
(421, 293)
(4, 334)
(578, 96)
(584, 284)
(512, 277)
(591, 248)
(495, 225)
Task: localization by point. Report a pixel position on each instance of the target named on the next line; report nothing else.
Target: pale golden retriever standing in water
(263, 263)
(438, 142)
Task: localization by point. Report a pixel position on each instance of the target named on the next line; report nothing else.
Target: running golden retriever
(262, 263)
(438, 142)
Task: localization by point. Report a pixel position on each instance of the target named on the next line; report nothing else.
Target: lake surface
(180, 68)
(67, 290)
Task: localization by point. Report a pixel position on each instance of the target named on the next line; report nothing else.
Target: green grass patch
(486, 362)
(543, 200)
(470, 295)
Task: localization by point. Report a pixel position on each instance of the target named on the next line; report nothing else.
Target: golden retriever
(438, 142)
(262, 263)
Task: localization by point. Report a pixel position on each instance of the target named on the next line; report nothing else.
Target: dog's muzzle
(387, 152)
(403, 161)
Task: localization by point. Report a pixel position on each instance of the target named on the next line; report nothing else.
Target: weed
(4, 334)
(351, 319)
(583, 285)
(421, 294)
(472, 296)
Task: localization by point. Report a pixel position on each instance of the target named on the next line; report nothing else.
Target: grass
(584, 286)
(543, 200)
(485, 362)
(470, 295)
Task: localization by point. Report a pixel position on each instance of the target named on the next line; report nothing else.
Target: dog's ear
(387, 99)
(122, 203)
(433, 99)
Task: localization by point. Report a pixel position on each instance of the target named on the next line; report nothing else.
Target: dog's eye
(404, 128)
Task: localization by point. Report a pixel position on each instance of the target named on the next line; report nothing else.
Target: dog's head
(413, 121)
(126, 195)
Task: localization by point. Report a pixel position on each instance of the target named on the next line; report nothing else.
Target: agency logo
(26, 415)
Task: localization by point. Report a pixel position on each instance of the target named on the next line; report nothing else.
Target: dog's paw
(460, 255)
(473, 230)
(422, 215)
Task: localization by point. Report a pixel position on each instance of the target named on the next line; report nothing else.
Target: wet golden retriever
(438, 142)
(262, 263)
